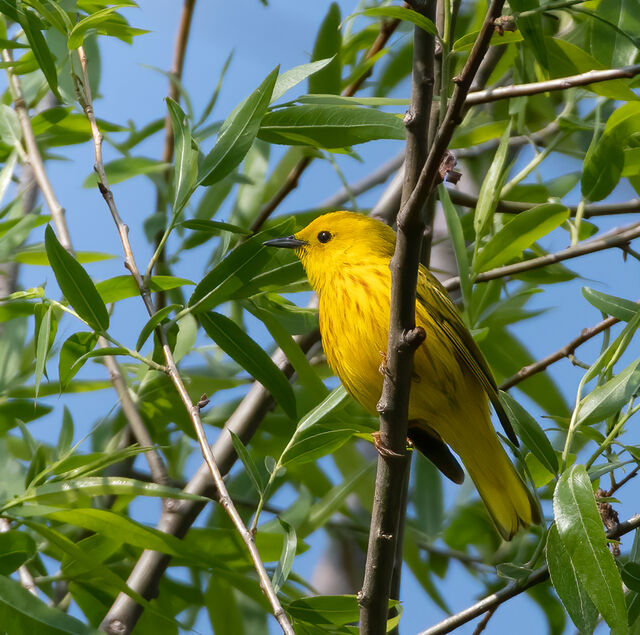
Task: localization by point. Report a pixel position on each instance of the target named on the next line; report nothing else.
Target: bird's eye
(324, 237)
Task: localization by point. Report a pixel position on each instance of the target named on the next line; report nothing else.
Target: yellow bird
(346, 257)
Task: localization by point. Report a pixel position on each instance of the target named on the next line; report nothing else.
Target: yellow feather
(346, 257)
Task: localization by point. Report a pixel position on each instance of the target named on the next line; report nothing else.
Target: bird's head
(338, 241)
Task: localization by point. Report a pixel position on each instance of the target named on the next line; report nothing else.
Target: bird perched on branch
(346, 257)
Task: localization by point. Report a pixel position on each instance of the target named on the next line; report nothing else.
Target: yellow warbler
(346, 258)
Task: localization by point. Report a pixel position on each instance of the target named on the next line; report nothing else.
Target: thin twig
(129, 408)
(493, 601)
(291, 182)
(404, 338)
(147, 572)
(482, 624)
(515, 207)
(192, 409)
(615, 238)
(562, 83)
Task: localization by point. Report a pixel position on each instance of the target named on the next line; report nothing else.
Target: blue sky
(261, 38)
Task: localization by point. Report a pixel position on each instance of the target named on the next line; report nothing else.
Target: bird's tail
(509, 501)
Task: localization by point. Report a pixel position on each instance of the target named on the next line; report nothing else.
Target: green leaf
(429, 508)
(604, 161)
(10, 131)
(610, 44)
(531, 28)
(122, 287)
(530, 432)
(399, 13)
(76, 284)
(185, 170)
(459, 246)
(249, 464)
(36, 255)
(619, 308)
(153, 321)
(23, 612)
(126, 168)
(285, 563)
(327, 45)
(581, 532)
(213, 227)
(610, 397)
(329, 126)
(70, 493)
(42, 347)
(237, 270)
(30, 24)
(524, 230)
(241, 348)
(466, 42)
(237, 134)
(76, 37)
(287, 80)
(568, 586)
(16, 547)
(491, 187)
(324, 610)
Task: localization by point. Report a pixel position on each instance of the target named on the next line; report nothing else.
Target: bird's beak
(289, 242)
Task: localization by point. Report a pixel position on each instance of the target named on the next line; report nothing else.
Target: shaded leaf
(610, 304)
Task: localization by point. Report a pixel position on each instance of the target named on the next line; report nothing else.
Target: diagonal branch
(616, 238)
(129, 407)
(491, 602)
(291, 182)
(192, 409)
(562, 83)
(404, 338)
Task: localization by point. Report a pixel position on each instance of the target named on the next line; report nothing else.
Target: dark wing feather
(436, 450)
(435, 300)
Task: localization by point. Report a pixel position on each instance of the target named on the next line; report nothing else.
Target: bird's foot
(383, 450)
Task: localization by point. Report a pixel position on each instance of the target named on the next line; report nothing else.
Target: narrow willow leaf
(327, 45)
(620, 308)
(42, 347)
(399, 13)
(491, 187)
(68, 493)
(16, 547)
(459, 246)
(120, 170)
(213, 227)
(186, 157)
(581, 532)
(237, 134)
(530, 432)
(248, 462)
(241, 348)
(154, 321)
(122, 287)
(610, 397)
(329, 127)
(23, 612)
(10, 131)
(72, 350)
(321, 610)
(76, 285)
(283, 568)
(568, 586)
(525, 229)
(287, 80)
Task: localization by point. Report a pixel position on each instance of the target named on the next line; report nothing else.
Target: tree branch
(129, 407)
(192, 409)
(146, 574)
(404, 338)
(616, 238)
(562, 83)
(291, 182)
(515, 207)
(493, 601)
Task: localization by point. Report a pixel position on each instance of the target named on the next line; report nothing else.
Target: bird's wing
(435, 300)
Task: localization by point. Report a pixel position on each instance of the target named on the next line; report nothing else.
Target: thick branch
(615, 238)
(404, 338)
(491, 602)
(562, 83)
(145, 576)
(192, 409)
